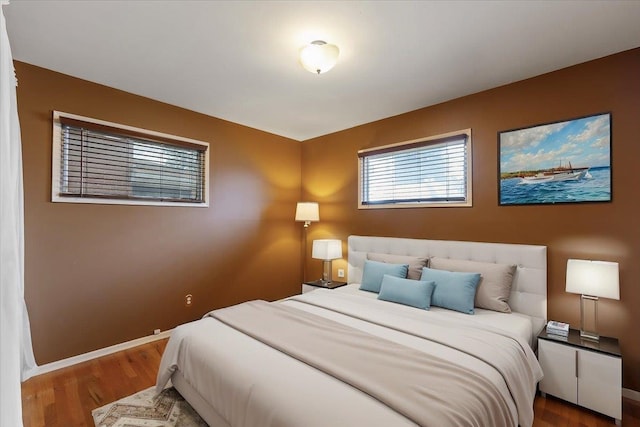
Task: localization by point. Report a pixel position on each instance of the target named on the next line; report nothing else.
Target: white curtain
(16, 354)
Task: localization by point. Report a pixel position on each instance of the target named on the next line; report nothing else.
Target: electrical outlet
(156, 331)
(188, 300)
(341, 272)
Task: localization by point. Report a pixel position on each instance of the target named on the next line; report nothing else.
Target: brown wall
(97, 275)
(603, 231)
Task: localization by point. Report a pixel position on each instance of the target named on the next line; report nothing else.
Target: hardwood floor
(66, 397)
(552, 412)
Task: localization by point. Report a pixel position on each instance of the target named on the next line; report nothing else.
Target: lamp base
(589, 318)
(586, 335)
(326, 273)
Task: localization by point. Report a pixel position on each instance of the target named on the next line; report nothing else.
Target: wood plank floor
(66, 397)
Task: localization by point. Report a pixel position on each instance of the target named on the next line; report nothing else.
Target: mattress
(248, 383)
(521, 325)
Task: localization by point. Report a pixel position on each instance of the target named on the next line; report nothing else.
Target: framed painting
(560, 162)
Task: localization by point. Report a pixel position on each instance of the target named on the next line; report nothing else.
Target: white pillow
(415, 263)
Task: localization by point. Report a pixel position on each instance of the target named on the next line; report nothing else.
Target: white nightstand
(584, 372)
(310, 286)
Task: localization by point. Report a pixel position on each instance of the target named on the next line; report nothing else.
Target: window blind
(432, 171)
(103, 162)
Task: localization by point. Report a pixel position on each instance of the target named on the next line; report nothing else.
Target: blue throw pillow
(415, 293)
(373, 272)
(455, 291)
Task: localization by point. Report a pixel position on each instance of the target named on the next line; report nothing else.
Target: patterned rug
(169, 409)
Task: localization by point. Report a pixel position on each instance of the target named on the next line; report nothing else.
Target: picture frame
(560, 162)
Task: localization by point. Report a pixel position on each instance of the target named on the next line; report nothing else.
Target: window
(101, 162)
(434, 171)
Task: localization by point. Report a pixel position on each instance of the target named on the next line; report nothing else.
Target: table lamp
(326, 250)
(592, 279)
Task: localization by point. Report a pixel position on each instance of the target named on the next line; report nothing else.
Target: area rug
(144, 409)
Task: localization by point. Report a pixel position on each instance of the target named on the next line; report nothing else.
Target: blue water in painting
(595, 189)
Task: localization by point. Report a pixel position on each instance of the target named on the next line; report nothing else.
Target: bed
(344, 357)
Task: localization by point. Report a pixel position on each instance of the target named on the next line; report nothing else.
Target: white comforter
(250, 384)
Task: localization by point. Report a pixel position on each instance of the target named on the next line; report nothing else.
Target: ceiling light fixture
(319, 57)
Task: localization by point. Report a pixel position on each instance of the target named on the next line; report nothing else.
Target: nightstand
(583, 372)
(310, 286)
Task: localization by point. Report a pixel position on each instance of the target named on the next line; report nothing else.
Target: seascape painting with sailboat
(563, 162)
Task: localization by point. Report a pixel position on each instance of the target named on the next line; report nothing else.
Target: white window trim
(56, 160)
(469, 198)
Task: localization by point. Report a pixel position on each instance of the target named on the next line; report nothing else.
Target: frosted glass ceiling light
(319, 57)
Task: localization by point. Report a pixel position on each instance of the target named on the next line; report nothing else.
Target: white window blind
(98, 161)
(418, 173)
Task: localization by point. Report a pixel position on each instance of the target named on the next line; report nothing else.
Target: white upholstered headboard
(529, 289)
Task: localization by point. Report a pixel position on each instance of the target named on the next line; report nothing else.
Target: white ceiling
(239, 60)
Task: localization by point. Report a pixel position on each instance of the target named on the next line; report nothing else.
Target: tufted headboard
(529, 289)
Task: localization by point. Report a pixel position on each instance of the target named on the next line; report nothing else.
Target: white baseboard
(631, 394)
(74, 360)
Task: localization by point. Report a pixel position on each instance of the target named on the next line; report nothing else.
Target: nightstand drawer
(599, 368)
(308, 288)
(558, 364)
(599, 383)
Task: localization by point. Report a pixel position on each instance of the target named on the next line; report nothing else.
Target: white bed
(232, 379)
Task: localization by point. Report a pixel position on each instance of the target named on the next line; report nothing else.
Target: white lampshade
(327, 249)
(307, 211)
(595, 278)
(319, 57)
